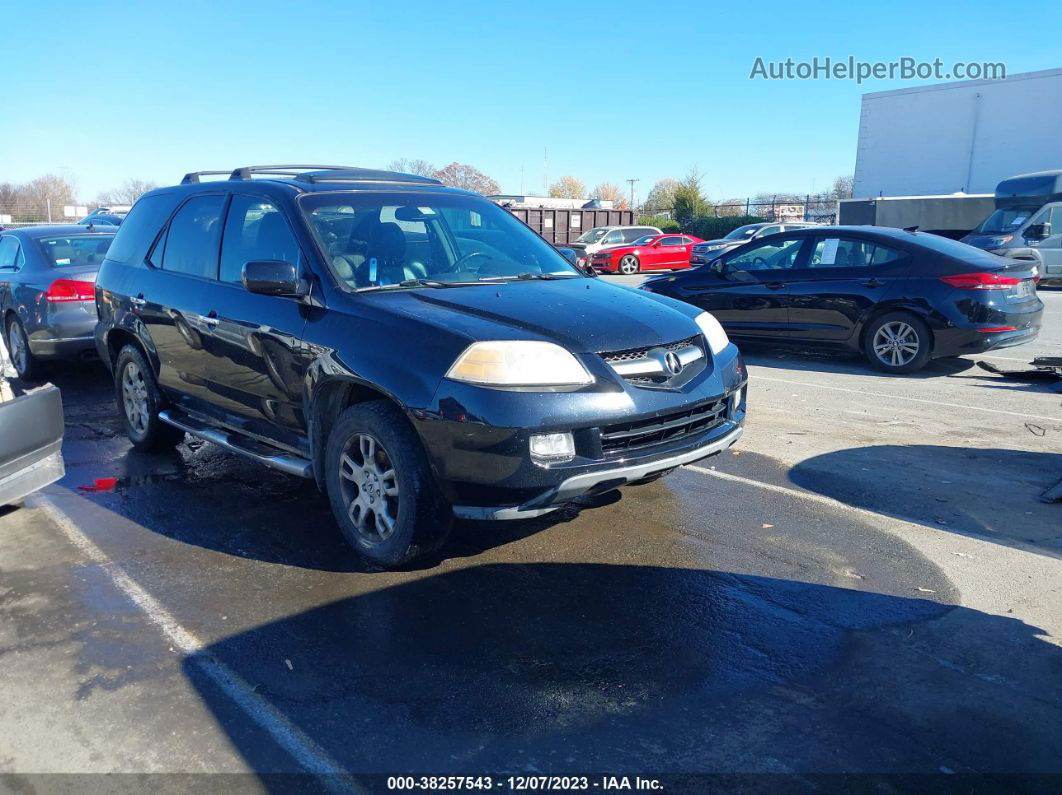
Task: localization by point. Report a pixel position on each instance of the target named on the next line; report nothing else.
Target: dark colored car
(648, 253)
(899, 297)
(414, 348)
(47, 301)
(708, 250)
(103, 216)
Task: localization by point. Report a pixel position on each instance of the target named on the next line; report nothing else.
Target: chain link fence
(811, 208)
(28, 213)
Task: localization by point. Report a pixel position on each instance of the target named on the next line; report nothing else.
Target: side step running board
(234, 443)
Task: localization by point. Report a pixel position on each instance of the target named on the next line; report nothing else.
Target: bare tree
(842, 187)
(44, 197)
(568, 188)
(462, 175)
(730, 208)
(421, 168)
(128, 193)
(662, 196)
(610, 191)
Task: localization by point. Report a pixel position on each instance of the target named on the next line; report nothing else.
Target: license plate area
(1022, 291)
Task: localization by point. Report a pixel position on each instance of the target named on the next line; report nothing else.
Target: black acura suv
(414, 348)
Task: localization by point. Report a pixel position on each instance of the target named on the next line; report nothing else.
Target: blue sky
(100, 92)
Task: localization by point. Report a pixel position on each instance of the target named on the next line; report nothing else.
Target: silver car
(47, 285)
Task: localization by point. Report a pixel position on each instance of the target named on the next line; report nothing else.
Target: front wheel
(628, 265)
(139, 403)
(898, 342)
(381, 488)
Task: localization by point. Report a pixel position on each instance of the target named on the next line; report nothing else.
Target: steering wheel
(759, 261)
(467, 257)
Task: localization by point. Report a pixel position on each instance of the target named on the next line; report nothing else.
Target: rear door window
(140, 227)
(193, 237)
(841, 252)
(9, 250)
(255, 229)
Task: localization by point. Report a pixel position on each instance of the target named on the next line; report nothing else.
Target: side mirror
(273, 277)
(569, 254)
(717, 265)
(1037, 232)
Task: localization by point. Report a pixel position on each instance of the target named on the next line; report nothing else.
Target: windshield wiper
(529, 275)
(410, 283)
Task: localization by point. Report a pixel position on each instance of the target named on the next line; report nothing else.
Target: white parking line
(304, 750)
(1022, 414)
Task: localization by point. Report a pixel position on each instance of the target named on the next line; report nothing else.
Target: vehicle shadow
(793, 358)
(578, 668)
(989, 492)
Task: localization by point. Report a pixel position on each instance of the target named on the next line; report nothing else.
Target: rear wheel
(898, 342)
(22, 359)
(139, 403)
(629, 265)
(381, 488)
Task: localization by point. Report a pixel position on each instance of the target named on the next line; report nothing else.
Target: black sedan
(899, 297)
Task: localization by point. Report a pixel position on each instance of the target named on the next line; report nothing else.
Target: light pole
(632, 181)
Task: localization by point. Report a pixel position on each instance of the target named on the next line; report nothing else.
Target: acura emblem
(673, 363)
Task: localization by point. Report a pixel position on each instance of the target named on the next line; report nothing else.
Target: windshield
(742, 232)
(644, 240)
(379, 240)
(75, 251)
(1005, 220)
(593, 235)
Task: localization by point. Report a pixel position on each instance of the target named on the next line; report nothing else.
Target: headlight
(713, 332)
(716, 247)
(518, 363)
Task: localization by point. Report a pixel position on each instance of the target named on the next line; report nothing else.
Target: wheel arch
(901, 306)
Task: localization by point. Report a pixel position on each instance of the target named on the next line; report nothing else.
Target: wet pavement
(731, 618)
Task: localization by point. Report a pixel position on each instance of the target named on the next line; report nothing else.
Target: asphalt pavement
(867, 584)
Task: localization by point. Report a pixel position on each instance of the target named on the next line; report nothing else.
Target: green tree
(690, 203)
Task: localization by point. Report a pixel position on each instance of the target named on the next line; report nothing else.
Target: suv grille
(644, 433)
(614, 357)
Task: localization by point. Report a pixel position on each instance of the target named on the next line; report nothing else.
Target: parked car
(649, 253)
(900, 297)
(47, 303)
(30, 454)
(710, 249)
(602, 236)
(414, 348)
(103, 216)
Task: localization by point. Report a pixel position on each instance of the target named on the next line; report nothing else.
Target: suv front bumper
(599, 481)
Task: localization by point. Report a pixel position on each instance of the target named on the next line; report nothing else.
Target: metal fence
(810, 208)
(46, 211)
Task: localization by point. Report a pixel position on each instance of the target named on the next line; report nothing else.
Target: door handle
(872, 283)
(211, 318)
(774, 285)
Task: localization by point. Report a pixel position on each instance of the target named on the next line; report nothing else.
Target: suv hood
(582, 315)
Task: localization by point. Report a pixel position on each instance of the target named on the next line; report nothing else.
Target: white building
(964, 136)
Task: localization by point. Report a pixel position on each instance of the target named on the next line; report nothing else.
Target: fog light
(736, 398)
(553, 446)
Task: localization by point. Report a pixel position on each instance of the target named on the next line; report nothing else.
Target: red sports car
(650, 253)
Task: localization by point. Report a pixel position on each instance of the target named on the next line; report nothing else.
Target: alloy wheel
(135, 398)
(628, 265)
(18, 347)
(896, 343)
(370, 487)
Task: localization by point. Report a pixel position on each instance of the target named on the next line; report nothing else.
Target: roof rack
(315, 174)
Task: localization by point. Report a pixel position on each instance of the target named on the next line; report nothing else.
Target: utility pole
(632, 181)
(545, 171)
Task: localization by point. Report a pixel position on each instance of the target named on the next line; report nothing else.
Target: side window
(193, 237)
(615, 236)
(883, 254)
(255, 229)
(1055, 222)
(9, 252)
(140, 227)
(835, 252)
(776, 255)
(671, 241)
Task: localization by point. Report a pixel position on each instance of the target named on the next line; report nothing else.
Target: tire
(383, 495)
(25, 363)
(629, 265)
(139, 403)
(898, 342)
